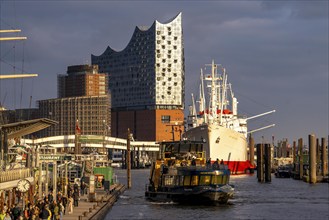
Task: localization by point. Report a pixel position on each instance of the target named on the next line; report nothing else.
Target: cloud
(317, 9)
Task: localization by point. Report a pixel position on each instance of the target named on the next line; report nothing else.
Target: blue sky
(275, 52)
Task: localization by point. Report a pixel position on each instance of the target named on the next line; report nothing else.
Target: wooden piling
(294, 155)
(318, 157)
(128, 161)
(300, 155)
(279, 149)
(267, 162)
(252, 152)
(260, 163)
(312, 158)
(284, 148)
(324, 159)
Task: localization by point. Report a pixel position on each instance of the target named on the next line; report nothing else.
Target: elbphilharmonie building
(146, 82)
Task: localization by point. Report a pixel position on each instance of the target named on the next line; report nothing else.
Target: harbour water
(283, 198)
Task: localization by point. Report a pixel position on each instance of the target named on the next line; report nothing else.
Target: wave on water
(163, 203)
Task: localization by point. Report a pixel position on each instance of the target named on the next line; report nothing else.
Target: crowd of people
(48, 208)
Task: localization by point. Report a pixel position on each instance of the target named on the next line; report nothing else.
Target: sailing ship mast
(13, 76)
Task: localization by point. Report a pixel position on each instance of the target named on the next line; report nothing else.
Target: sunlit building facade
(146, 82)
(83, 101)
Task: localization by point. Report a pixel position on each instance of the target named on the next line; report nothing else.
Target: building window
(165, 118)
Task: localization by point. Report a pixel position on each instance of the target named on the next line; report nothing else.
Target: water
(280, 199)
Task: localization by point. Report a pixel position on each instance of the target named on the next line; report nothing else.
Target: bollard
(324, 157)
(90, 210)
(312, 158)
(80, 217)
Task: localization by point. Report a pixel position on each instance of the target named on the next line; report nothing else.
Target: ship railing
(202, 167)
(15, 174)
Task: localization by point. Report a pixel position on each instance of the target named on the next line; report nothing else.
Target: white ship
(218, 124)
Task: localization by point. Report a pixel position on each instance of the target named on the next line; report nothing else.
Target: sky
(275, 52)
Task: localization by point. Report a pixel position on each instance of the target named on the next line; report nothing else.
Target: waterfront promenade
(98, 209)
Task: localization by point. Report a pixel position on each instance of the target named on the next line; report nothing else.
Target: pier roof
(23, 128)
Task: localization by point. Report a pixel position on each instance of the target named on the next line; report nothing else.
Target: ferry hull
(223, 144)
(199, 197)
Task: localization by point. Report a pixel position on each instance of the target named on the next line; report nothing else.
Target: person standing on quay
(2, 214)
(45, 213)
(7, 217)
(64, 202)
(70, 205)
(76, 198)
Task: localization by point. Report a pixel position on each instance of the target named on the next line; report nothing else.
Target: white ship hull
(223, 144)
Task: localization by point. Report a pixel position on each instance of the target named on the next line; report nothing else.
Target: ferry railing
(15, 174)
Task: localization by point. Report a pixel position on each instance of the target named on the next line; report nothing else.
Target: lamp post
(104, 133)
(128, 160)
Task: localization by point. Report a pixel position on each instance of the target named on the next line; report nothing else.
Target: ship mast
(202, 99)
(12, 76)
(213, 91)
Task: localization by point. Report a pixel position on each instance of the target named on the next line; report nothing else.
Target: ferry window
(184, 148)
(187, 180)
(180, 180)
(225, 180)
(195, 180)
(204, 180)
(193, 149)
(169, 180)
(217, 179)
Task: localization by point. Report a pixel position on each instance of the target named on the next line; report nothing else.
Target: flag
(77, 128)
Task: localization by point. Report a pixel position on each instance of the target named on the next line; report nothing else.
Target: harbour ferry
(183, 175)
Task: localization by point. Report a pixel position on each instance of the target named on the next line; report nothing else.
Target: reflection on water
(281, 199)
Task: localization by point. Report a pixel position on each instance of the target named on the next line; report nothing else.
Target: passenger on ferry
(193, 162)
(208, 163)
(216, 164)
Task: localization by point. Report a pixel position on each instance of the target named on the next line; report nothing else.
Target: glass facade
(149, 72)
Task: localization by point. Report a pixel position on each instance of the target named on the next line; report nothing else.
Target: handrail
(14, 174)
